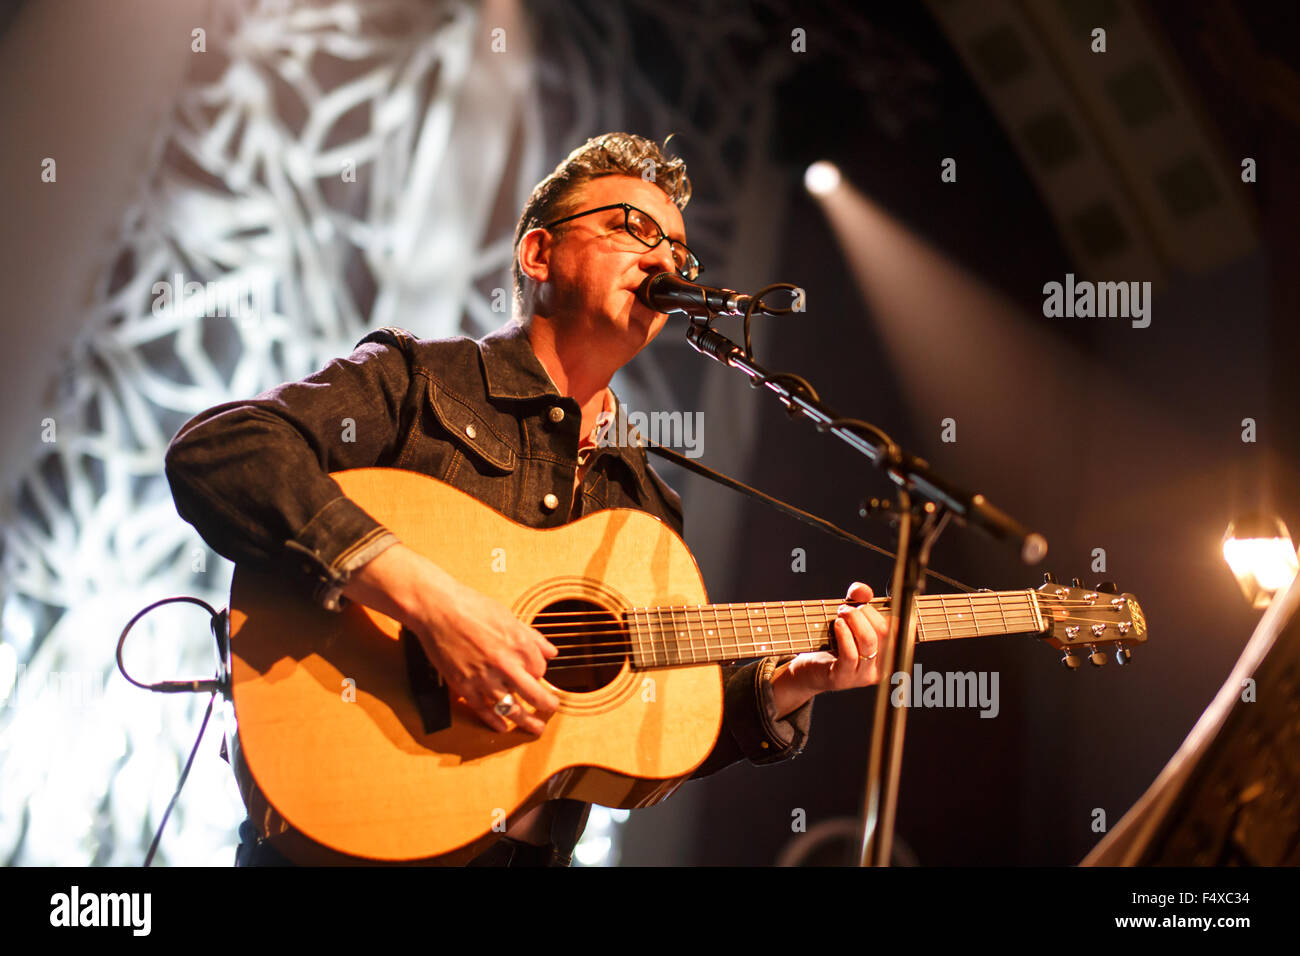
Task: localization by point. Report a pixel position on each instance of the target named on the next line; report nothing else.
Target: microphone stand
(919, 524)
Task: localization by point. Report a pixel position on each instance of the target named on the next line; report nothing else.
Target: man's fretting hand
(481, 650)
(859, 634)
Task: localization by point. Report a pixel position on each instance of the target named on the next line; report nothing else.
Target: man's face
(595, 266)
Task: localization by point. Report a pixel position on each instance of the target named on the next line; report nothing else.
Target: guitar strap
(820, 523)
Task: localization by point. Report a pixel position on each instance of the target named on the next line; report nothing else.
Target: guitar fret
(684, 630)
(651, 645)
(730, 623)
(652, 640)
(661, 640)
(637, 656)
(690, 635)
(667, 639)
(678, 658)
(735, 627)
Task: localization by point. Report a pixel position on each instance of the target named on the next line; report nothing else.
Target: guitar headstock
(1088, 620)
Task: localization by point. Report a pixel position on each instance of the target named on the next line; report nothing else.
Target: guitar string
(788, 636)
(929, 601)
(779, 635)
(607, 659)
(624, 651)
(734, 631)
(741, 626)
(775, 638)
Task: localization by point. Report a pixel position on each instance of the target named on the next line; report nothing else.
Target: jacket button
(550, 502)
(556, 414)
(471, 431)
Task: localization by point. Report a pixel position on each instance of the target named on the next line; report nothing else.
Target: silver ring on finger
(504, 705)
(872, 657)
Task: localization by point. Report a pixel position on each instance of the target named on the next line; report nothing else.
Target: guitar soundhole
(592, 642)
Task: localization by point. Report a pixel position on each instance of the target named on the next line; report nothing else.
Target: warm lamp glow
(1261, 554)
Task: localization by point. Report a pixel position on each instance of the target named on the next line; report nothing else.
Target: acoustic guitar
(350, 749)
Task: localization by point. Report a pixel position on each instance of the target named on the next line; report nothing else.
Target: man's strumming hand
(479, 647)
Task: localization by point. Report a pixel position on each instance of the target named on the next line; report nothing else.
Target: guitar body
(337, 759)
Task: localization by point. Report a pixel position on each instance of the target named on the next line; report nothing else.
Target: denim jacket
(482, 416)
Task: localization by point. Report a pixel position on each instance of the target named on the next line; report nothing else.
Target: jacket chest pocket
(481, 460)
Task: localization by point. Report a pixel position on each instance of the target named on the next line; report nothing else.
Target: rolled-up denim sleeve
(751, 728)
(253, 476)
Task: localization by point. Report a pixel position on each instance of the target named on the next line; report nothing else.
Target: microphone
(666, 292)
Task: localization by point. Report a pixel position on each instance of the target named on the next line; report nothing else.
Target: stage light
(1262, 556)
(598, 846)
(821, 178)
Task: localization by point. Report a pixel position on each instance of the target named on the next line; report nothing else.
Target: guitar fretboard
(715, 633)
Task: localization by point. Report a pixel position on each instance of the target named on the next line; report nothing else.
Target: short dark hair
(611, 154)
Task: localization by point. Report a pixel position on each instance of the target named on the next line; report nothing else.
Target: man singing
(513, 419)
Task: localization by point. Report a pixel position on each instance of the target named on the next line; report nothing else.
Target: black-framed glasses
(642, 227)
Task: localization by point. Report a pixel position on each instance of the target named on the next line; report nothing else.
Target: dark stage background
(1137, 449)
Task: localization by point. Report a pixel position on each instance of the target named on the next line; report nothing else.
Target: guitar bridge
(428, 689)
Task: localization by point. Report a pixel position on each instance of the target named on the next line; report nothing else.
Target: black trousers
(254, 851)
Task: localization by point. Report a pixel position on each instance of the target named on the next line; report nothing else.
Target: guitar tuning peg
(1108, 587)
(1049, 577)
(1070, 661)
(1096, 658)
(1122, 654)
(1076, 583)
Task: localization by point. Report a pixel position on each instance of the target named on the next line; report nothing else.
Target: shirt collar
(512, 370)
(603, 423)
(511, 367)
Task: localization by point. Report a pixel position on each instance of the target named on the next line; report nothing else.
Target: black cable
(889, 448)
(757, 300)
(157, 837)
(807, 517)
(170, 686)
(213, 686)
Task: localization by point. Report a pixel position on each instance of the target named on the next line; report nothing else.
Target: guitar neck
(715, 633)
